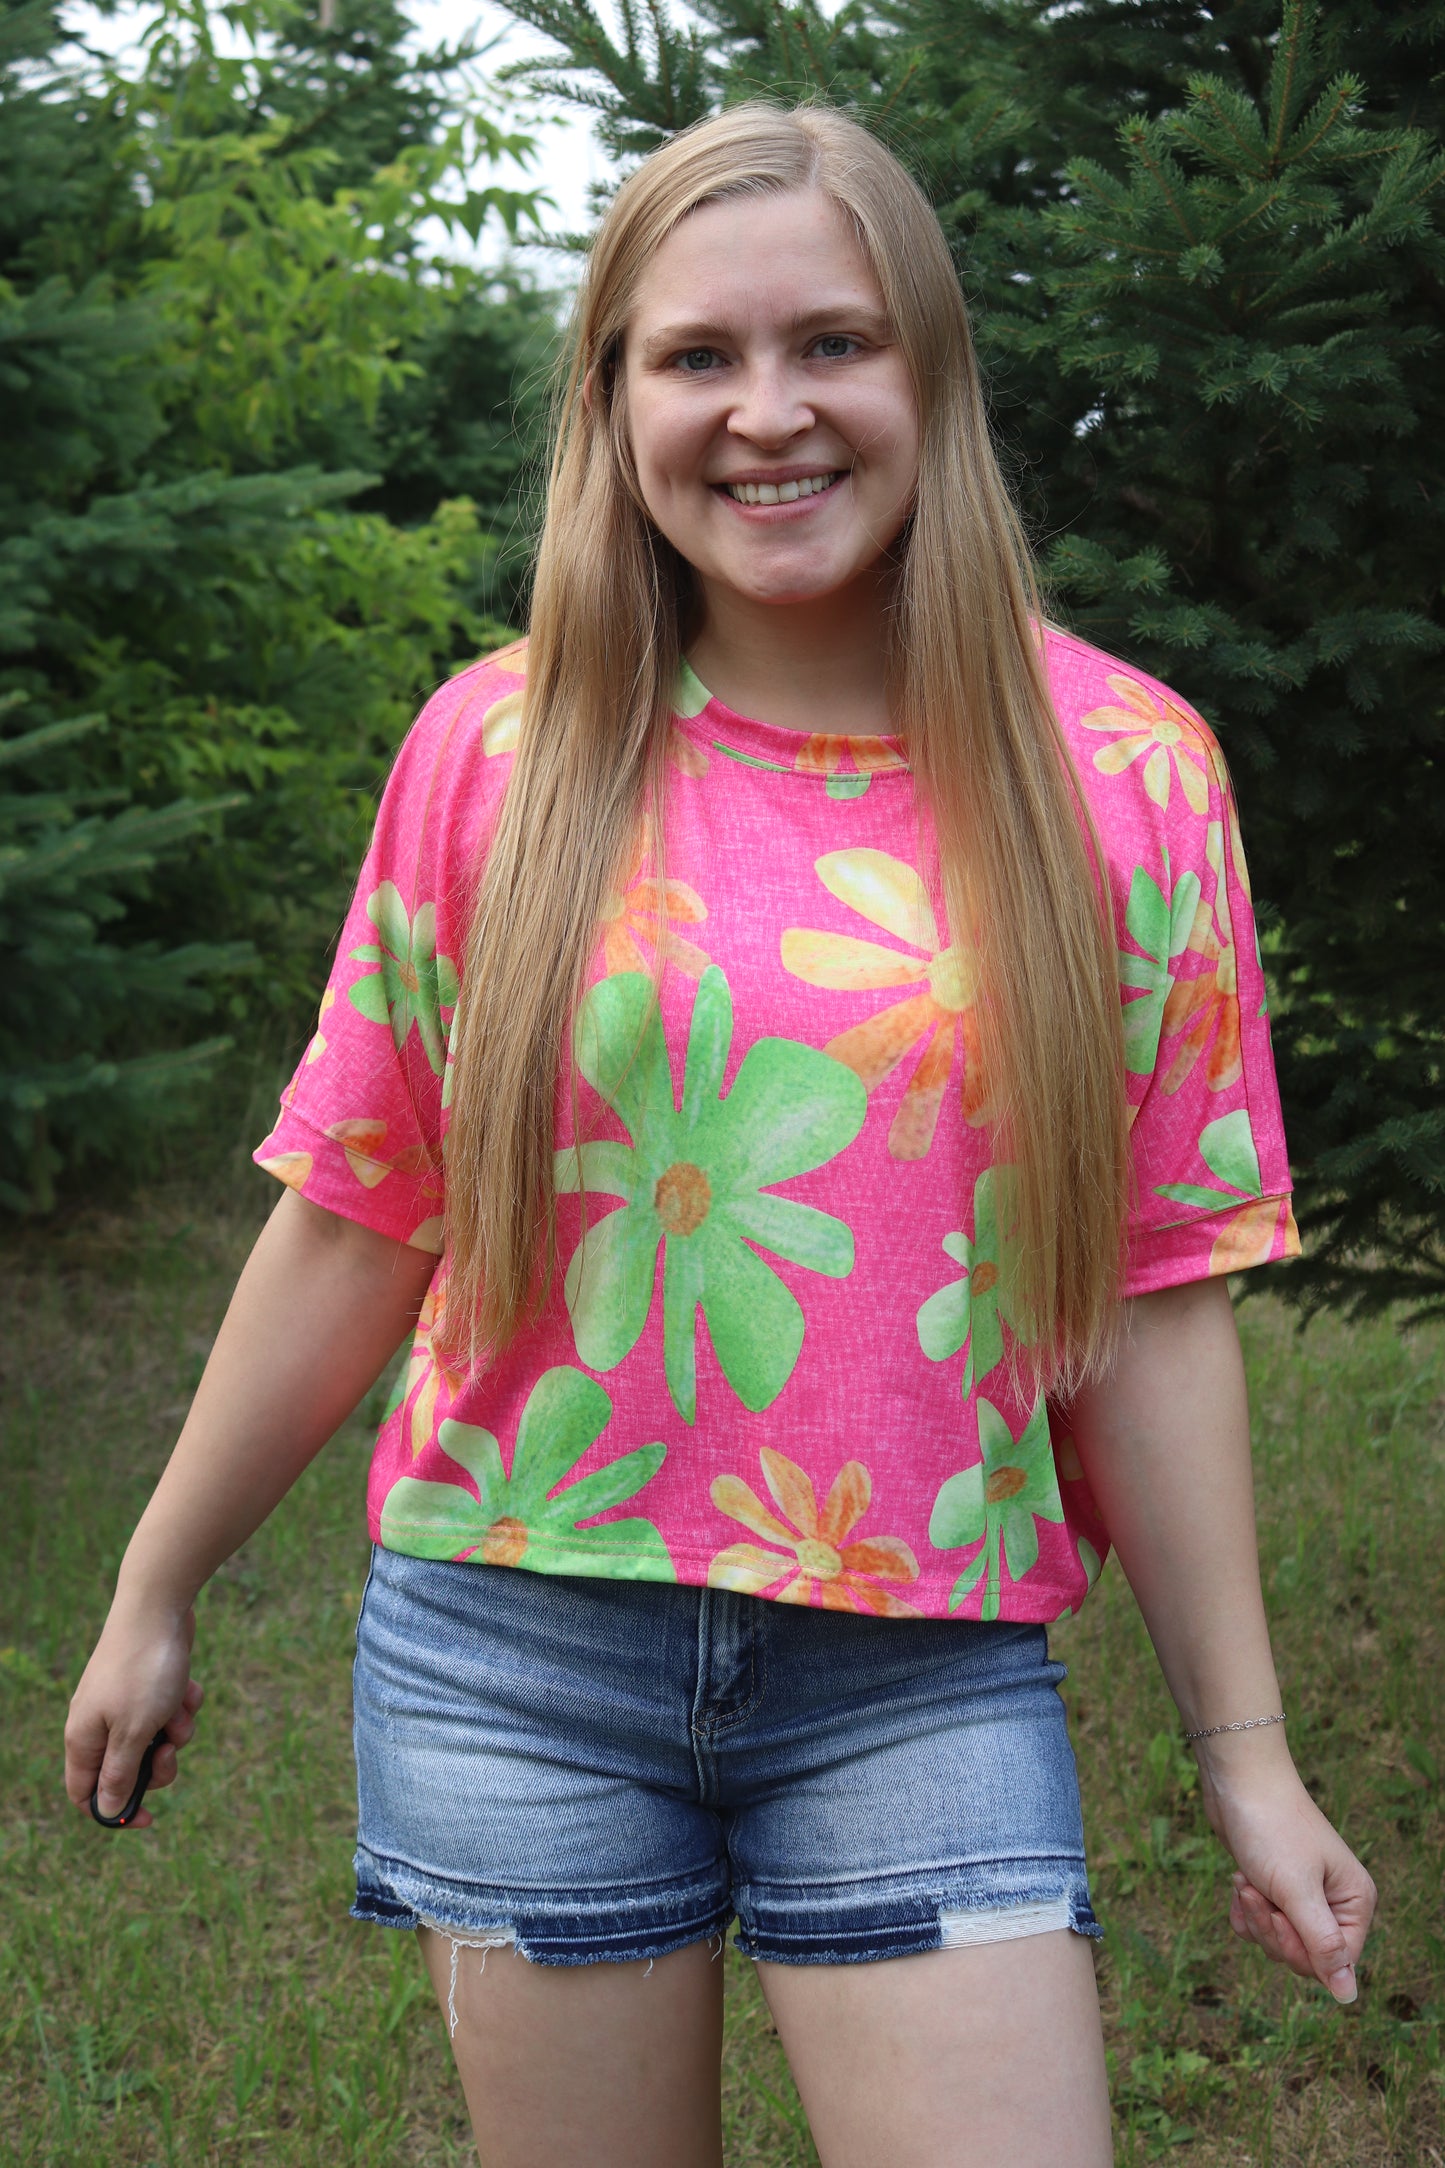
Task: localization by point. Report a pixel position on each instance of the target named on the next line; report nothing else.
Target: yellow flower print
(813, 1553)
(292, 1168)
(654, 911)
(501, 725)
(427, 1376)
(1165, 733)
(501, 719)
(316, 1048)
(891, 895)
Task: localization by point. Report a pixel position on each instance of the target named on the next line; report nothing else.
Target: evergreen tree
(199, 327)
(1204, 248)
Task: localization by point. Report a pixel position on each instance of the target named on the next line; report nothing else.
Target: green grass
(199, 1996)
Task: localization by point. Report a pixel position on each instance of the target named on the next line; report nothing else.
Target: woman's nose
(771, 407)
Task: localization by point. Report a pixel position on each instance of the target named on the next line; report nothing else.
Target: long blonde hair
(1017, 859)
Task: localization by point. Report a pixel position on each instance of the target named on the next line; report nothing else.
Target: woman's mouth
(808, 485)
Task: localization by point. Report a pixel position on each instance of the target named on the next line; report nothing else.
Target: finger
(163, 1767)
(193, 1696)
(119, 1771)
(1352, 1897)
(85, 1740)
(1311, 1941)
(1271, 1930)
(1325, 1946)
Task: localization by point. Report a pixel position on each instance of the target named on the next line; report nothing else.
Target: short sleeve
(1211, 1180)
(362, 1120)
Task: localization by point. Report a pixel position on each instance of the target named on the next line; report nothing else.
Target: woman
(803, 1336)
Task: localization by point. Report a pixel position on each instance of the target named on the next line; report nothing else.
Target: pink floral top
(778, 1363)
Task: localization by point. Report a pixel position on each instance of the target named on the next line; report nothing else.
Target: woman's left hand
(1299, 1892)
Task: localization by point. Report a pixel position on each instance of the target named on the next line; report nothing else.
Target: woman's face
(772, 418)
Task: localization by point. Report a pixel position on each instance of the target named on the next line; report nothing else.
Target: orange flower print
(812, 1554)
(1171, 738)
(1206, 1009)
(941, 1018)
(1250, 1236)
(689, 697)
(362, 1138)
(653, 911)
(687, 758)
(825, 752)
(428, 1380)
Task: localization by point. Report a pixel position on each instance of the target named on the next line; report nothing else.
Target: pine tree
(199, 328)
(65, 872)
(1250, 294)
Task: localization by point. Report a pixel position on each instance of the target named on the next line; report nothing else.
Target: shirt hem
(1045, 1609)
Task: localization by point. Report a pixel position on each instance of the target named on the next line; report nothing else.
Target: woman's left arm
(1164, 1442)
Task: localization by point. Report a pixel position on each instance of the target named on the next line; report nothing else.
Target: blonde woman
(837, 993)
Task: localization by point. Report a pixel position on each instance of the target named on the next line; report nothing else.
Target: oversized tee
(778, 1363)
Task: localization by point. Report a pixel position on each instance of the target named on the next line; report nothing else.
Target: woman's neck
(803, 666)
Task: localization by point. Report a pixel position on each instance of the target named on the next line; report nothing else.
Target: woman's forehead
(787, 257)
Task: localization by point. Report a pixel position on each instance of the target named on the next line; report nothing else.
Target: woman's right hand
(268, 1400)
(137, 1683)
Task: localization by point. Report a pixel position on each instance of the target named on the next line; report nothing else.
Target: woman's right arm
(318, 1312)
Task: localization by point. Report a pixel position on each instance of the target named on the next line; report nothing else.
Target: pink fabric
(779, 1364)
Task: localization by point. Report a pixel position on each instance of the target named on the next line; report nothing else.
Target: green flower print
(975, 1308)
(513, 1520)
(1093, 1566)
(996, 1502)
(689, 695)
(1159, 922)
(1228, 1151)
(410, 984)
(696, 1181)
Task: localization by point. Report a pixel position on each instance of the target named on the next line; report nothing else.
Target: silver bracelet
(1249, 1723)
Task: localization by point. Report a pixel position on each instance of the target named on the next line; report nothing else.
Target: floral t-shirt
(778, 1363)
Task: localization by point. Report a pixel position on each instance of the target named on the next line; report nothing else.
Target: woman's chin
(791, 586)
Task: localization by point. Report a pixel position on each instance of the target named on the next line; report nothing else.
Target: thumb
(1324, 1942)
(118, 1771)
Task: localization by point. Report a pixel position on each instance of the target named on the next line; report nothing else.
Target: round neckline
(821, 754)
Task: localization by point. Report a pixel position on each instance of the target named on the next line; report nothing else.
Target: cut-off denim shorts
(594, 1769)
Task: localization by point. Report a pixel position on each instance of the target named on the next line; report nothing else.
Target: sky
(568, 159)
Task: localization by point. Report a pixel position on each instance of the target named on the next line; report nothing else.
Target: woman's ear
(587, 389)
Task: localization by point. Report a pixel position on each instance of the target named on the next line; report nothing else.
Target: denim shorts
(595, 1769)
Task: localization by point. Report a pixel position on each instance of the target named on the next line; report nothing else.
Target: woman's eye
(697, 360)
(834, 345)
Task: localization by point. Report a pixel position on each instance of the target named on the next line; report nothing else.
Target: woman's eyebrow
(855, 315)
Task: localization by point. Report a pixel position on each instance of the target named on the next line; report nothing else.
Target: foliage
(212, 294)
(65, 866)
(1206, 256)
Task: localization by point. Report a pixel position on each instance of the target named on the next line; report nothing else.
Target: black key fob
(131, 1808)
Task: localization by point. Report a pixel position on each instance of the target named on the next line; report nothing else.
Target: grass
(199, 1996)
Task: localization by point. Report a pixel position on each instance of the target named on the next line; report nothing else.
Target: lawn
(199, 1996)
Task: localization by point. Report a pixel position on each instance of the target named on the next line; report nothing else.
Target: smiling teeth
(812, 485)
